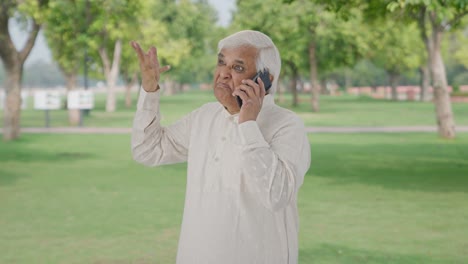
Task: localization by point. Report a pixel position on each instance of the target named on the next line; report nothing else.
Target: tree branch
(456, 19)
(23, 54)
(105, 60)
(422, 23)
(7, 48)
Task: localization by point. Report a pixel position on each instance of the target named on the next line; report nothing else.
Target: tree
(109, 25)
(304, 27)
(434, 19)
(333, 43)
(395, 47)
(65, 32)
(30, 12)
(461, 53)
(191, 25)
(279, 22)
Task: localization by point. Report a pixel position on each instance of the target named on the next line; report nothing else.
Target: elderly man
(246, 161)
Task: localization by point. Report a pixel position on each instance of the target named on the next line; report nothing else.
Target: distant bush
(459, 93)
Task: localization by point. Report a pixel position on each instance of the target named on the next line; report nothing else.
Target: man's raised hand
(149, 67)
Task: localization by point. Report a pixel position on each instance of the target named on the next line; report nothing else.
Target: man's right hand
(149, 67)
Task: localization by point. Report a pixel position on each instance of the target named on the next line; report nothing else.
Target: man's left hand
(252, 95)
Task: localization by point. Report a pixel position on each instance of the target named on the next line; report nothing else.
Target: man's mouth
(223, 85)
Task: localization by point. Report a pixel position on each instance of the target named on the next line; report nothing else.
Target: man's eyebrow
(238, 61)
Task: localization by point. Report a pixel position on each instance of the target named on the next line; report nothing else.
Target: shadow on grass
(34, 156)
(421, 167)
(9, 177)
(329, 253)
(15, 155)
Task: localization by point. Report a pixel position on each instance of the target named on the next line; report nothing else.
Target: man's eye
(238, 68)
(221, 62)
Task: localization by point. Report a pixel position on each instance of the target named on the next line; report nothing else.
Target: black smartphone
(265, 76)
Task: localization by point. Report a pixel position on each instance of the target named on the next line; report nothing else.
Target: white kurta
(242, 180)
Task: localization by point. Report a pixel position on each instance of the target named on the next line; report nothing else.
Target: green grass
(368, 198)
(335, 111)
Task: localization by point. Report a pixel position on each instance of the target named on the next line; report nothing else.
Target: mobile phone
(265, 76)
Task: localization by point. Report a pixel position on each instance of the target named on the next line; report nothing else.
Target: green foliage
(446, 14)
(459, 93)
(280, 22)
(366, 73)
(294, 26)
(184, 33)
(396, 47)
(34, 9)
(65, 32)
(460, 40)
(461, 78)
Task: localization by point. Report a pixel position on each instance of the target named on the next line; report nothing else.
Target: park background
(71, 193)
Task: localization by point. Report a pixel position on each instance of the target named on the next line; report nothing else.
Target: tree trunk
(279, 91)
(112, 72)
(169, 87)
(293, 87)
(315, 90)
(443, 105)
(73, 114)
(425, 82)
(393, 79)
(128, 90)
(348, 79)
(12, 111)
(323, 87)
(293, 82)
(178, 87)
(13, 62)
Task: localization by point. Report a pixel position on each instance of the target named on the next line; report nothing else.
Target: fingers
(139, 51)
(250, 92)
(153, 58)
(143, 58)
(251, 88)
(164, 69)
(149, 67)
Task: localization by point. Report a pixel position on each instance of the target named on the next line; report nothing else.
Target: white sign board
(47, 100)
(80, 99)
(24, 100)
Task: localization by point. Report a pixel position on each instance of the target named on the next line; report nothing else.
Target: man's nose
(225, 73)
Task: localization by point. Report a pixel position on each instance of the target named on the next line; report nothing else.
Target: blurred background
(382, 87)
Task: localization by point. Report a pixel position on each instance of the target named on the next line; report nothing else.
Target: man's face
(234, 65)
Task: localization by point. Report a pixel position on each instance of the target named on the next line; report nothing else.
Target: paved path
(115, 130)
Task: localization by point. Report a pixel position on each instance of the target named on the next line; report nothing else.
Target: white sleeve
(153, 144)
(275, 171)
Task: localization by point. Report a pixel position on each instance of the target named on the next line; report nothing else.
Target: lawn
(335, 111)
(368, 198)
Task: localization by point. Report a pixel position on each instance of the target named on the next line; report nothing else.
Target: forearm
(274, 171)
(153, 144)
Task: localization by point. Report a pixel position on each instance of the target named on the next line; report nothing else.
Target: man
(245, 164)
